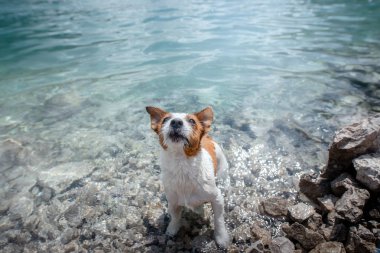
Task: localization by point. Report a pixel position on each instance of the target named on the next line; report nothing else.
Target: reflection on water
(282, 76)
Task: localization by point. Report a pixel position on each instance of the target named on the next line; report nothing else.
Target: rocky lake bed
(81, 195)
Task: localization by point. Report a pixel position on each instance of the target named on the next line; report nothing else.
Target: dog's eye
(191, 121)
(165, 119)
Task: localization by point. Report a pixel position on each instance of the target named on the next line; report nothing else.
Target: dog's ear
(206, 116)
(156, 114)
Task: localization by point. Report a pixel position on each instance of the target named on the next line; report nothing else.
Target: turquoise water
(282, 76)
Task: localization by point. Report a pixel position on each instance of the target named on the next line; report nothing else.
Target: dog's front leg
(175, 212)
(221, 235)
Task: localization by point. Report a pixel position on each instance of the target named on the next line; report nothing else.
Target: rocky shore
(342, 210)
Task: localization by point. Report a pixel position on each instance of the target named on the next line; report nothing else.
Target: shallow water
(282, 76)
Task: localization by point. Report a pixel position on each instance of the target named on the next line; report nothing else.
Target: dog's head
(179, 131)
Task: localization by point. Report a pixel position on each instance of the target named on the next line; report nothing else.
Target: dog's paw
(173, 228)
(222, 239)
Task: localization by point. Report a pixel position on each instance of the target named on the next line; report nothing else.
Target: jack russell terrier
(189, 161)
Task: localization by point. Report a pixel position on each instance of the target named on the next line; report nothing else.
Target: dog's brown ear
(206, 116)
(156, 114)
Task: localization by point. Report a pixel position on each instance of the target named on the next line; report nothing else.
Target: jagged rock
(342, 183)
(276, 207)
(368, 171)
(300, 212)
(306, 237)
(329, 247)
(313, 186)
(350, 205)
(360, 240)
(350, 142)
(327, 202)
(68, 235)
(281, 245)
(65, 175)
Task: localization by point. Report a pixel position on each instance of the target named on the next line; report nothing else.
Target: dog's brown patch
(157, 117)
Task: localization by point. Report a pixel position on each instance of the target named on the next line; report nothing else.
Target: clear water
(282, 76)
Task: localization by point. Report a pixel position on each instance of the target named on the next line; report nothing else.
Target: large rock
(300, 212)
(342, 183)
(329, 247)
(313, 186)
(351, 142)
(368, 171)
(281, 245)
(276, 207)
(350, 205)
(66, 175)
(306, 237)
(360, 240)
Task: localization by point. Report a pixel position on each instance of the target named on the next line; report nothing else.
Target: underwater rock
(350, 205)
(313, 186)
(306, 237)
(300, 212)
(342, 183)
(349, 143)
(329, 247)
(281, 245)
(276, 207)
(66, 175)
(21, 208)
(242, 233)
(10, 152)
(368, 171)
(360, 240)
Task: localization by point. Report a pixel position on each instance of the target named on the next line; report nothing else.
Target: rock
(360, 240)
(21, 208)
(10, 151)
(350, 205)
(5, 224)
(68, 235)
(276, 207)
(313, 186)
(351, 142)
(306, 237)
(314, 222)
(258, 247)
(342, 183)
(258, 233)
(327, 202)
(329, 247)
(300, 212)
(368, 171)
(133, 217)
(281, 245)
(66, 175)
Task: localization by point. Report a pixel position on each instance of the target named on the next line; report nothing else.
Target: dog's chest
(186, 178)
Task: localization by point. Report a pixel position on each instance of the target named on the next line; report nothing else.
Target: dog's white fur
(190, 181)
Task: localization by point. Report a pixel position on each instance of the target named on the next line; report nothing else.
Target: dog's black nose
(176, 123)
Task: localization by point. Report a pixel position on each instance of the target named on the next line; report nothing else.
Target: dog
(190, 161)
